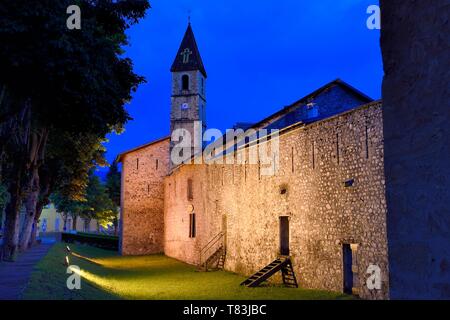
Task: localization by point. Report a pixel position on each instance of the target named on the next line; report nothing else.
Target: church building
(323, 209)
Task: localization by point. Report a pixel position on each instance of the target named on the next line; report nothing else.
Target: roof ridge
(142, 146)
(312, 95)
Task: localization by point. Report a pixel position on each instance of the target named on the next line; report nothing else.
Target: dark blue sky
(259, 56)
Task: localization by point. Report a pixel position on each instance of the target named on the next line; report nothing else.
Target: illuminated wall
(324, 213)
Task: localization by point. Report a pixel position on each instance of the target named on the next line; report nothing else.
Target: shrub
(96, 240)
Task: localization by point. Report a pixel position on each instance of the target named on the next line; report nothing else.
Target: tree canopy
(61, 92)
(96, 203)
(113, 182)
(75, 79)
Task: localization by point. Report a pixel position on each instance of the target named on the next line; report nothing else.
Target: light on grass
(146, 277)
(68, 249)
(102, 282)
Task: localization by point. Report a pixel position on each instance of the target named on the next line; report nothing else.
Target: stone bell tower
(188, 101)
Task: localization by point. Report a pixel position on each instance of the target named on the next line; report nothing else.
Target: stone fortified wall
(315, 162)
(142, 212)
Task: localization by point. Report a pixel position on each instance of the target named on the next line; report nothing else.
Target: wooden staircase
(282, 264)
(288, 275)
(221, 262)
(215, 261)
(212, 256)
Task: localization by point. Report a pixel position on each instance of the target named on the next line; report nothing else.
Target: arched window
(185, 82)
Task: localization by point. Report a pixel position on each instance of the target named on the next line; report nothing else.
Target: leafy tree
(100, 206)
(113, 185)
(65, 176)
(64, 206)
(57, 80)
(96, 203)
(113, 182)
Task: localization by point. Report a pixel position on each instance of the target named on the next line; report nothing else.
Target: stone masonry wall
(178, 207)
(142, 212)
(415, 42)
(323, 213)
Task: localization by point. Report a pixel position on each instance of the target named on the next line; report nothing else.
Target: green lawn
(106, 275)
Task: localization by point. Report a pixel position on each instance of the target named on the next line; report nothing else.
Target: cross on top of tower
(188, 57)
(186, 53)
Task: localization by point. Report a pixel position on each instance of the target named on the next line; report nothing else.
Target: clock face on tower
(184, 106)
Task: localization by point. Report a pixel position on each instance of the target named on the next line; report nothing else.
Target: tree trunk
(38, 141)
(23, 149)
(11, 236)
(64, 216)
(31, 206)
(34, 229)
(87, 225)
(74, 222)
(45, 190)
(33, 236)
(116, 226)
(25, 235)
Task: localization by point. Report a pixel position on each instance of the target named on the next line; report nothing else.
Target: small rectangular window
(259, 170)
(157, 164)
(190, 194)
(192, 227)
(137, 164)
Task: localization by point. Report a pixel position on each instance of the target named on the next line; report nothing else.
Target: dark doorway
(348, 273)
(284, 236)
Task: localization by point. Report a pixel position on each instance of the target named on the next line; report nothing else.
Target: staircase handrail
(209, 245)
